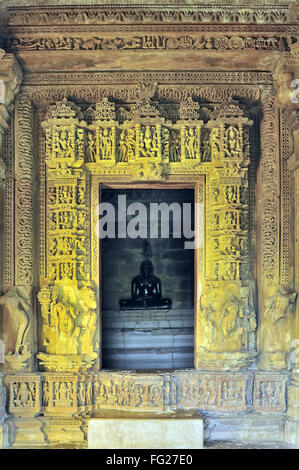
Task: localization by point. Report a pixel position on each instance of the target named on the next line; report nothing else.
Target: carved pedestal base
(224, 361)
(2, 444)
(46, 432)
(292, 421)
(17, 362)
(53, 409)
(273, 361)
(250, 428)
(291, 433)
(70, 363)
(6, 434)
(65, 432)
(28, 432)
(293, 396)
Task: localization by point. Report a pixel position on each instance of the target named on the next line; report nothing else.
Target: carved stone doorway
(148, 338)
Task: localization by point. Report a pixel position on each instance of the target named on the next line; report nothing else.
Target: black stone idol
(146, 291)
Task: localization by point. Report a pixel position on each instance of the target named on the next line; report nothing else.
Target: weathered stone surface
(247, 445)
(291, 433)
(2, 400)
(28, 432)
(251, 427)
(270, 392)
(145, 433)
(192, 3)
(293, 396)
(24, 394)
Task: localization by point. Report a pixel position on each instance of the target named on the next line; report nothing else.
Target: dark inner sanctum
(148, 317)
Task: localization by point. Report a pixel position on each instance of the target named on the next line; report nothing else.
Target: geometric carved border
(24, 193)
(118, 77)
(268, 201)
(286, 241)
(9, 211)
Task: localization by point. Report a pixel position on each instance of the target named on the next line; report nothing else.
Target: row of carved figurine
(143, 141)
(204, 391)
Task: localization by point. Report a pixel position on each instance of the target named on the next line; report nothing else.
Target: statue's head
(146, 268)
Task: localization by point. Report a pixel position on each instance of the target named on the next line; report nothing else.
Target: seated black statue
(146, 291)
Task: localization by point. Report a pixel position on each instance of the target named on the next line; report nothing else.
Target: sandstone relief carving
(15, 308)
(275, 334)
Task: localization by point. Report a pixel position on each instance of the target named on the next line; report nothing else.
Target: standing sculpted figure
(106, 145)
(276, 330)
(123, 150)
(91, 147)
(16, 306)
(232, 148)
(215, 143)
(190, 144)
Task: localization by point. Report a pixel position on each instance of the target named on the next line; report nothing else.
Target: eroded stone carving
(24, 192)
(270, 392)
(16, 318)
(226, 326)
(69, 326)
(24, 394)
(275, 333)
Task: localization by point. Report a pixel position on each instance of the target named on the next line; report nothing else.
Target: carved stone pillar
(293, 391)
(226, 320)
(276, 301)
(270, 292)
(69, 330)
(10, 80)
